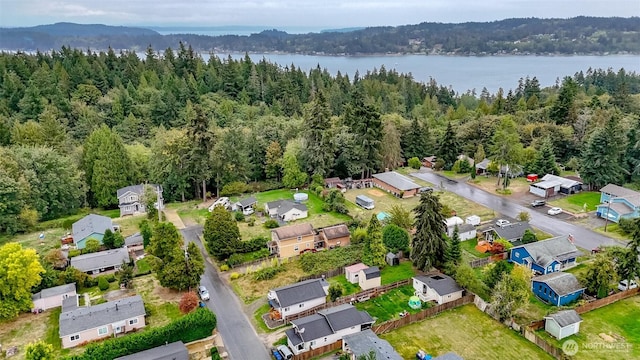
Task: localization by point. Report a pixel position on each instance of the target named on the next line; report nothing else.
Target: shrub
(524, 216)
(271, 224)
(110, 278)
(529, 237)
(505, 244)
(414, 163)
(74, 252)
(215, 355)
(234, 259)
(224, 267)
(627, 225)
(358, 235)
(323, 261)
(103, 284)
(335, 291)
(234, 275)
(267, 273)
(255, 244)
(39, 351)
(234, 188)
(239, 216)
(189, 302)
(261, 186)
(252, 221)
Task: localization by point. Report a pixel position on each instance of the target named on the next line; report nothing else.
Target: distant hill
(342, 30)
(580, 35)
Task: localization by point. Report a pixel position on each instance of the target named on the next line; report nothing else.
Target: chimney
(116, 307)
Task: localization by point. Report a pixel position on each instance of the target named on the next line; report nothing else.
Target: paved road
(584, 238)
(239, 337)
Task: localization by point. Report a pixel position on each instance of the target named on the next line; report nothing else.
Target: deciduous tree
(401, 217)
(511, 292)
(188, 302)
(600, 275)
(221, 233)
(39, 351)
(20, 270)
(395, 238)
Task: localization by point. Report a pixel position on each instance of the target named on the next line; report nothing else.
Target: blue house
(91, 226)
(558, 288)
(546, 256)
(618, 202)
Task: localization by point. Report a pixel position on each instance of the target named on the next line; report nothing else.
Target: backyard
(388, 274)
(466, 331)
(576, 203)
(389, 305)
(611, 332)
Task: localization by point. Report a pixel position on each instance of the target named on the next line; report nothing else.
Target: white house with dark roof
(546, 256)
(465, 231)
(53, 297)
(130, 199)
(369, 278)
(89, 323)
(91, 226)
(326, 327)
(551, 185)
(173, 351)
(395, 183)
(298, 297)
(562, 324)
(618, 202)
(363, 342)
(286, 210)
(439, 288)
(510, 232)
(98, 262)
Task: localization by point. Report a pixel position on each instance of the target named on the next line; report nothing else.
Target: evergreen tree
(318, 150)
(429, 244)
(395, 238)
(109, 239)
(448, 150)
(164, 241)
(365, 123)
(374, 250)
(184, 270)
(416, 140)
(292, 177)
(600, 161)
(563, 111)
(453, 253)
(390, 148)
(221, 233)
(545, 161)
(201, 144)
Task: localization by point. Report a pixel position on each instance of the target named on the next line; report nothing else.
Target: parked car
(554, 211)
(622, 285)
(537, 203)
(203, 292)
(286, 353)
(223, 201)
(425, 189)
(502, 222)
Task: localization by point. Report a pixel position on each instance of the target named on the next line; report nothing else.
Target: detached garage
(545, 189)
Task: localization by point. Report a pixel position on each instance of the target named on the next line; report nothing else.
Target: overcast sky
(297, 13)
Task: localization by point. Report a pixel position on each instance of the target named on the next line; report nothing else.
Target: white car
(203, 292)
(554, 211)
(223, 201)
(622, 285)
(502, 222)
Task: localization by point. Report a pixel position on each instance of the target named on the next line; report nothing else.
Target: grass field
(619, 321)
(466, 331)
(249, 290)
(614, 231)
(389, 305)
(161, 303)
(391, 274)
(347, 287)
(489, 184)
(575, 203)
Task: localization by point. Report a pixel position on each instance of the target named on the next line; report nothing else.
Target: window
(74, 337)
(286, 309)
(299, 238)
(517, 255)
(102, 330)
(301, 305)
(295, 248)
(133, 321)
(307, 245)
(301, 346)
(313, 343)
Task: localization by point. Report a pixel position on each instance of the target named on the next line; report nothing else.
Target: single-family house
(562, 324)
(326, 327)
(510, 232)
(98, 262)
(53, 297)
(352, 272)
(286, 210)
(91, 226)
(557, 288)
(618, 202)
(369, 278)
(70, 303)
(551, 185)
(288, 241)
(334, 236)
(131, 198)
(513, 171)
(172, 351)
(395, 183)
(246, 205)
(439, 288)
(292, 299)
(134, 242)
(364, 342)
(546, 256)
(89, 323)
(482, 168)
(465, 231)
(429, 162)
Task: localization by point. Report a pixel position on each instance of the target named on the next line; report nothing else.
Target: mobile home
(365, 202)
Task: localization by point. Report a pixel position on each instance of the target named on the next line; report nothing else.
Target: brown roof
(293, 231)
(337, 231)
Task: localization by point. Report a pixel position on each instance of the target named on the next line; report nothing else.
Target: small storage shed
(562, 324)
(369, 278)
(473, 220)
(351, 272)
(392, 259)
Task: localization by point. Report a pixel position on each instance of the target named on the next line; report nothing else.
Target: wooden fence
(606, 301)
(484, 261)
(411, 318)
(318, 351)
(544, 345)
(326, 275)
(371, 293)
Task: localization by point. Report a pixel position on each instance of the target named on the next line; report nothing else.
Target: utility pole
(606, 219)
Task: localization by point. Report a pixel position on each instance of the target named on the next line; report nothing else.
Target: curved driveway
(584, 238)
(239, 337)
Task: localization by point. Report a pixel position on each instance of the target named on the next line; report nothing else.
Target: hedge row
(194, 326)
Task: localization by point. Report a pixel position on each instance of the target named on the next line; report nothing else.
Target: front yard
(466, 331)
(576, 203)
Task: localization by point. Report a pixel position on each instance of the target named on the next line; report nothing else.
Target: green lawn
(613, 231)
(619, 321)
(143, 267)
(466, 331)
(575, 203)
(347, 287)
(470, 247)
(257, 317)
(534, 310)
(391, 274)
(389, 305)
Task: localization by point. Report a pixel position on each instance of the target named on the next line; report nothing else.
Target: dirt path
(173, 217)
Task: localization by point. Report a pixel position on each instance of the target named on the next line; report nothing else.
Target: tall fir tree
(449, 149)
(545, 161)
(221, 233)
(453, 254)
(374, 250)
(318, 150)
(429, 244)
(600, 162)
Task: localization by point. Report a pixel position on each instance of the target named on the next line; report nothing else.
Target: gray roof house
(133, 240)
(511, 232)
(130, 199)
(326, 327)
(101, 261)
(90, 323)
(298, 297)
(285, 209)
(53, 297)
(563, 323)
(245, 204)
(90, 226)
(362, 343)
(547, 256)
(439, 288)
(557, 288)
(173, 351)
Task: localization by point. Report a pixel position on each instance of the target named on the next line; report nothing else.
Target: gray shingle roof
(512, 231)
(90, 224)
(442, 284)
(396, 180)
(54, 291)
(564, 182)
(300, 292)
(309, 328)
(565, 317)
(100, 260)
(363, 342)
(618, 191)
(174, 351)
(371, 273)
(336, 231)
(292, 231)
(248, 201)
(345, 316)
(287, 206)
(544, 252)
(465, 228)
(135, 239)
(327, 322)
(620, 207)
(138, 189)
(560, 282)
(91, 317)
(547, 184)
(484, 164)
(70, 303)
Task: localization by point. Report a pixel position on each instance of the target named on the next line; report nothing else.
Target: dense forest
(580, 35)
(75, 126)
